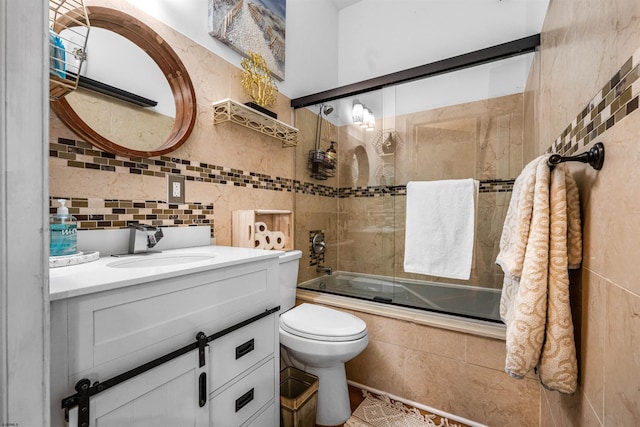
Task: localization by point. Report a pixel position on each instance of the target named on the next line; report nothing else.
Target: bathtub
(457, 300)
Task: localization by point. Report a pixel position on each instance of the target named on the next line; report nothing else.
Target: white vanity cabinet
(101, 335)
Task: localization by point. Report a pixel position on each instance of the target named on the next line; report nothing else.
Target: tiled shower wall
(365, 225)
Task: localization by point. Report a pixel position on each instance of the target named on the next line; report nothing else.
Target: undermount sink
(143, 261)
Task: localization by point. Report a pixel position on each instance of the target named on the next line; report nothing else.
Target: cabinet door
(166, 396)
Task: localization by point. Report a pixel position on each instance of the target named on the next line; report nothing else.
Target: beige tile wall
(451, 371)
(315, 202)
(227, 145)
(584, 44)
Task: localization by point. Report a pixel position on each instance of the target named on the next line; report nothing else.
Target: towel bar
(595, 157)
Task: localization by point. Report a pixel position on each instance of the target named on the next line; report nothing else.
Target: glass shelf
(228, 110)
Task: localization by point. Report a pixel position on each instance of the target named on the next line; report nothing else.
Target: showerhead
(328, 109)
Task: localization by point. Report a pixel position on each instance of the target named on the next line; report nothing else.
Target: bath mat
(381, 411)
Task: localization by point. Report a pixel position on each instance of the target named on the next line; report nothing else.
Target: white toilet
(319, 340)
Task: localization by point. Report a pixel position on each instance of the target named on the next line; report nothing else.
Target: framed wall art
(252, 26)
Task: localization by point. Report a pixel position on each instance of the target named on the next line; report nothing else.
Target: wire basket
(320, 165)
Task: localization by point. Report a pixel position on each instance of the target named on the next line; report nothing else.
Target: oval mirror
(122, 127)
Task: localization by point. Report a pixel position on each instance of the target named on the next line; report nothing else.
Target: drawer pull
(203, 389)
(243, 400)
(244, 349)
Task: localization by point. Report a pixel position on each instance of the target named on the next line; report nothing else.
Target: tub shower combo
(444, 125)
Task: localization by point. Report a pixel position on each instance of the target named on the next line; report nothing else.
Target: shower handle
(318, 246)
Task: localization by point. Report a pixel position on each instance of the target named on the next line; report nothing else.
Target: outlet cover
(175, 189)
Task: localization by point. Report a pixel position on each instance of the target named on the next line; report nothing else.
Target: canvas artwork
(252, 26)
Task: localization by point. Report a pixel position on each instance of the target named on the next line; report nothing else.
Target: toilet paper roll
(260, 241)
(261, 227)
(268, 240)
(278, 240)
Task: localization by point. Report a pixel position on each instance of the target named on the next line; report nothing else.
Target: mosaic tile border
(98, 214)
(81, 154)
(615, 101)
(488, 186)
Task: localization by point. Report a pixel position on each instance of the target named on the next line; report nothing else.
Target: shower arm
(326, 110)
(318, 129)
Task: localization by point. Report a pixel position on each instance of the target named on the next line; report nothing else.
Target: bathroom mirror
(119, 127)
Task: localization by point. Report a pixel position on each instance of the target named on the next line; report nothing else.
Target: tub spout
(323, 269)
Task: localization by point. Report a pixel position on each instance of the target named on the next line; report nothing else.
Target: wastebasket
(298, 398)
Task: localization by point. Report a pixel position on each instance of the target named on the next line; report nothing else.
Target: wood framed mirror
(169, 65)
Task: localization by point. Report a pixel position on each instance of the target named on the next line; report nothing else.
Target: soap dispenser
(332, 155)
(63, 227)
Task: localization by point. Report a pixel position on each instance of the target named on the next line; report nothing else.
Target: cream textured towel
(440, 227)
(540, 241)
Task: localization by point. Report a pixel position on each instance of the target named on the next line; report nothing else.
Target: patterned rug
(381, 411)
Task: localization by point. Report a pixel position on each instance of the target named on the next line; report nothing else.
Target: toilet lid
(322, 323)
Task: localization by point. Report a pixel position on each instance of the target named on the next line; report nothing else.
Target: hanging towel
(540, 241)
(57, 55)
(440, 227)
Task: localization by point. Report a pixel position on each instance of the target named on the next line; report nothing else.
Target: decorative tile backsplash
(80, 154)
(95, 214)
(489, 186)
(83, 155)
(617, 99)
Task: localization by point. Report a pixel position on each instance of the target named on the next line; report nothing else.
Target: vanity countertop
(98, 276)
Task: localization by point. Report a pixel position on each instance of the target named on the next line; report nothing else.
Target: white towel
(440, 227)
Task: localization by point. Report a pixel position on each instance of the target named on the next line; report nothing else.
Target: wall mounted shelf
(232, 111)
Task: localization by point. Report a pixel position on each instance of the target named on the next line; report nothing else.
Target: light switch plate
(175, 189)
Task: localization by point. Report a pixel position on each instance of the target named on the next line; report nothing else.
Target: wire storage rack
(68, 33)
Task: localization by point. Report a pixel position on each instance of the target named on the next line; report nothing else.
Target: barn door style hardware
(85, 390)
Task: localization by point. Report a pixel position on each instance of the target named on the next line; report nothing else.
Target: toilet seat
(322, 324)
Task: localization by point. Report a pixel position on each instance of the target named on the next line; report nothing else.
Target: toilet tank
(289, 262)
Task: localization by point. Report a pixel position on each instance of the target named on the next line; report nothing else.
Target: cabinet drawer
(266, 418)
(239, 350)
(237, 403)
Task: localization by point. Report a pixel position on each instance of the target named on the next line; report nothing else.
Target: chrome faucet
(323, 269)
(143, 237)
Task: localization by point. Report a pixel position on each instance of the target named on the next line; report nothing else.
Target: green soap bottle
(63, 228)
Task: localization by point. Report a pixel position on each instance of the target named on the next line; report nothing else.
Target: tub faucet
(323, 269)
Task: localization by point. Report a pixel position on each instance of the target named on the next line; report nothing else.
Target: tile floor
(355, 398)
